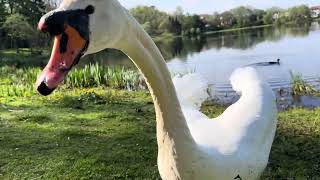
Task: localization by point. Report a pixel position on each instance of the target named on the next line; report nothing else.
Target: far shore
(238, 29)
(169, 35)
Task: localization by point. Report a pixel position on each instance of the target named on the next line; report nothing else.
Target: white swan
(236, 145)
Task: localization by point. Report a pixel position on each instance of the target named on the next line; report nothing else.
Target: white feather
(240, 137)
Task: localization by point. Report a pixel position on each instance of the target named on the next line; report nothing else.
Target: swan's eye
(89, 9)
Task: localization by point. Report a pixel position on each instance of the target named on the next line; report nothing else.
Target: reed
(301, 87)
(95, 75)
(20, 81)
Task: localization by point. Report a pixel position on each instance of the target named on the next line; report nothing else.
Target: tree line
(19, 18)
(156, 22)
(18, 22)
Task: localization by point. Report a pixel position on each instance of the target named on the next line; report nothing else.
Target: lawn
(10, 57)
(110, 134)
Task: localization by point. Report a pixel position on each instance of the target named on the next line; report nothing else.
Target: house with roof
(315, 11)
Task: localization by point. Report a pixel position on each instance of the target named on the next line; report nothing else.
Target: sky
(210, 6)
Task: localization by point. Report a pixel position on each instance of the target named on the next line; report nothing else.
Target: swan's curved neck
(147, 57)
(177, 150)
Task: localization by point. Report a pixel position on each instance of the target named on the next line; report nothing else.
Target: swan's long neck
(146, 56)
(175, 142)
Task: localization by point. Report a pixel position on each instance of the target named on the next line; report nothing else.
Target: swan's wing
(240, 139)
(250, 121)
(192, 91)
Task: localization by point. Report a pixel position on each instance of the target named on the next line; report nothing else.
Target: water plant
(301, 87)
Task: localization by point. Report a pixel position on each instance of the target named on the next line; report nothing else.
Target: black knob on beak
(53, 23)
(44, 90)
(42, 26)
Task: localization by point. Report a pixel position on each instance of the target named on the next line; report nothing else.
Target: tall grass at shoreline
(20, 82)
(95, 75)
(300, 87)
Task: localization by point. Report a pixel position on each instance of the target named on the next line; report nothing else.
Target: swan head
(79, 27)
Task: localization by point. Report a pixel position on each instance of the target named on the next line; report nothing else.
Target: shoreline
(169, 35)
(238, 29)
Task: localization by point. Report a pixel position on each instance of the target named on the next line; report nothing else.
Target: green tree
(299, 14)
(17, 28)
(186, 22)
(214, 22)
(190, 23)
(242, 16)
(268, 18)
(3, 12)
(164, 24)
(174, 26)
(257, 16)
(29, 8)
(147, 27)
(145, 14)
(198, 22)
(227, 20)
(271, 15)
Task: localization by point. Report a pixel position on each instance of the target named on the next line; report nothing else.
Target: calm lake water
(216, 56)
(297, 47)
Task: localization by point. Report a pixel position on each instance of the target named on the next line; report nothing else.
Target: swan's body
(243, 134)
(237, 143)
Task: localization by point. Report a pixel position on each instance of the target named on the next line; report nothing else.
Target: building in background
(315, 11)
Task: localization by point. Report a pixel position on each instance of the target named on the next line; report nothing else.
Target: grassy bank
(110, 134)
(10, 57)
(91, 129)
(238, 29)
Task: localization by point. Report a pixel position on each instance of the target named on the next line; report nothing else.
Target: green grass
(164, 36)
(101, 134)
(110, 134)
(10, 57)
(296, 149)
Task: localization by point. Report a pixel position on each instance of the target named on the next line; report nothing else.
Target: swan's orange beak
(67, 50)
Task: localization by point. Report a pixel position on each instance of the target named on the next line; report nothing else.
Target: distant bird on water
(266, 63)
